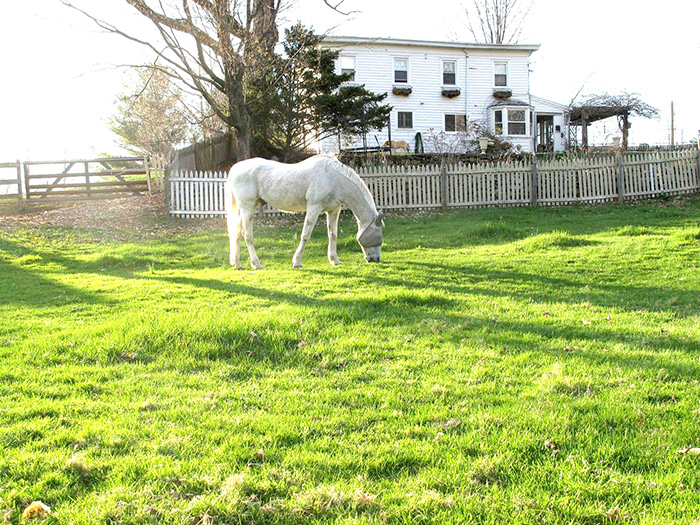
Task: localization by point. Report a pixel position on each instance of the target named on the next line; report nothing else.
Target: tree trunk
(625, 125)
(243, 143)
(239, 116)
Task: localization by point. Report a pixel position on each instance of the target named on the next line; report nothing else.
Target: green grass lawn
(498, 366)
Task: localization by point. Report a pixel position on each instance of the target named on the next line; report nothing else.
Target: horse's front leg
(312, 214)
(332, 219)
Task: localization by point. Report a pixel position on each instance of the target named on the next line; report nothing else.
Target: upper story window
(449, 72)
(456, 122)
(347, 66)
(401, 70)
(510, 121)
(500, 74)
(405, 120)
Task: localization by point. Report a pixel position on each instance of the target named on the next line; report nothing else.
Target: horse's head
(370, 239)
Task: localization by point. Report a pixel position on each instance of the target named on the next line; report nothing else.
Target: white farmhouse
(437, 87)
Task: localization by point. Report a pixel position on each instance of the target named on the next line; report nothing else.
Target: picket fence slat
(559, 181)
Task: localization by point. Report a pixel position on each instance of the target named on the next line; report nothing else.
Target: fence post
(26, 182)
(87, 178)
(534, 181)
(146, 167)
(19, 184)
(166, 190)
(620, 178)
(443, 183)
(698, 164)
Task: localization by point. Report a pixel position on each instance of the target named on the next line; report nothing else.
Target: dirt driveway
(125, 216)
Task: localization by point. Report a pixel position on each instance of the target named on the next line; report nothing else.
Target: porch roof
(590, 114)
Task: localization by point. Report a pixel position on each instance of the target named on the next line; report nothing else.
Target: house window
(498, 120)
(517, 122)
(500, 74)
(449, 72)
(455, 123)
(510, 121)
(401, 70)
(347, 67)
(405, 119)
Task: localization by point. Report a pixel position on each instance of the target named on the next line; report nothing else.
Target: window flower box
(451, 92)
(502, 94)
(403, 91)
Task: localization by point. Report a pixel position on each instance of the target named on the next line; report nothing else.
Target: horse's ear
(379, 219)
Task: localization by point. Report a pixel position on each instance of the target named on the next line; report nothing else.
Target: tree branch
(179, 25)
(336, 7)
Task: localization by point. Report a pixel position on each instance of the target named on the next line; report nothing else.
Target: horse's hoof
(336, 262)
(296, 265)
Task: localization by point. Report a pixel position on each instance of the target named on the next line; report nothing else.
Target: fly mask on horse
(370, 239)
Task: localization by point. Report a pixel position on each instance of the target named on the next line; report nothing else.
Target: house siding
(481, 84)
(375, 69)
(374, 62)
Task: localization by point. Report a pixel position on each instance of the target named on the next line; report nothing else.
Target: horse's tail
(231, 207)
(229, 200)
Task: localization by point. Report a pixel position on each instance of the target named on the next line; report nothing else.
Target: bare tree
(212, 47)
(150, 116)
(497, 21)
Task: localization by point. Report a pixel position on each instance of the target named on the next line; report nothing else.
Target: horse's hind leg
(233, 224)
(247, 225)
(236, 242)
(332, 219)
(312, 214)
(235, 234)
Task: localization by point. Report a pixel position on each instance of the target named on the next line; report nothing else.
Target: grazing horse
(316, 185)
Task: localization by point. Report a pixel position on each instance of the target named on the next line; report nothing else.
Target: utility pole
(673, 130)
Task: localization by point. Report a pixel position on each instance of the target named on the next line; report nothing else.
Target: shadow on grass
(464, 279)
(393, 311)
(23, 282)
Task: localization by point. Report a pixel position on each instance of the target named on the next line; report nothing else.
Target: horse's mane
(351, 175)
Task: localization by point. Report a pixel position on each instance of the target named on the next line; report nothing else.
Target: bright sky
(60, 73)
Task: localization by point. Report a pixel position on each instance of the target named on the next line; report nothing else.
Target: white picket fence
(551, 182)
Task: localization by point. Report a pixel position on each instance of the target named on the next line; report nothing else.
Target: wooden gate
(11, 180)
(86, 179)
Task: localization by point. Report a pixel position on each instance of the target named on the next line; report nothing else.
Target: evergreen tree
(308, 101)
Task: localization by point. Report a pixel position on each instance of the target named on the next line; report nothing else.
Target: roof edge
(552, 103)
(358, 40)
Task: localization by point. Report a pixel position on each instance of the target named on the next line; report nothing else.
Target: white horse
(316, 185)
